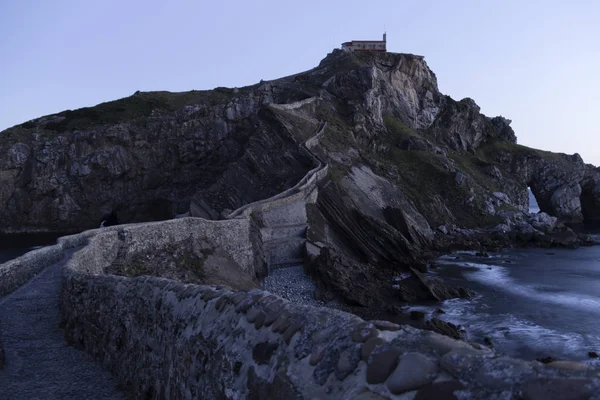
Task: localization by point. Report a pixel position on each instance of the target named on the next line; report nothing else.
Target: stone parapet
(166, 339)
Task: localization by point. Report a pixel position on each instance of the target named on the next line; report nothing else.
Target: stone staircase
(283, 244)
(284, 232)
(282, 218)
(285, 252)
(119, 261)
(284, 222)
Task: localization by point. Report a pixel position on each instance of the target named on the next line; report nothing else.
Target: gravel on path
(292, 284)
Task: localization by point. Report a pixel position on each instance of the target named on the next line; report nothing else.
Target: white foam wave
(498, 277)
(510, 333)
(464, 264)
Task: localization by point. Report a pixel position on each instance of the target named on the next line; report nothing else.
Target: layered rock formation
(361, 161)
(409, 169)
(144, 158)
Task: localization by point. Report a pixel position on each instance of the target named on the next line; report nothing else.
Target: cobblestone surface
(39, 363)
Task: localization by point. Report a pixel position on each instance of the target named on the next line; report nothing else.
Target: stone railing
(16, 272)
(303, 187)
(165, 339)
(236, 237)
(287, 209)
(238, 234)
(1, 348)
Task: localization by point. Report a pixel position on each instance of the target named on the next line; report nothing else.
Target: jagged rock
(438, 290)
(312, 251)
(401, 157)
(356, 283)
(444, 328)
(372, 215)
(494, 172)
(65, 171)
(461, 126)
(502, 197)
(459, 178)
(543, 222)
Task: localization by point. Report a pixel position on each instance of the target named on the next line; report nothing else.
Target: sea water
(13, 246)
(530, 302)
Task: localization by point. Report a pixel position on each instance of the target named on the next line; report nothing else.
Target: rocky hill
(410, 169)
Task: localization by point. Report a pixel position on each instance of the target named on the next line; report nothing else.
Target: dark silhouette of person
(110, 220)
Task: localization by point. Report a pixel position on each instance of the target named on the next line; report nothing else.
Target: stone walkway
(39, 363)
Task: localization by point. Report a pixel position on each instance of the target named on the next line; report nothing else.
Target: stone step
(288, 264)
(282, 240)
(283, 231)
(290, 213)
(283, 251)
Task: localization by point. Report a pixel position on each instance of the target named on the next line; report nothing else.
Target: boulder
(444, 328)
(440, 291)
(338, 276)
(501, 197)
(543, 222)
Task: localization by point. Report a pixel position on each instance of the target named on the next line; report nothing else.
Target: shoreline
(525, 314)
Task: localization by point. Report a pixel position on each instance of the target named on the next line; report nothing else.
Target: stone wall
(237, 237)
(284, 222)
(17, 272)
(234, 236)
(1, 348)
(165, 339)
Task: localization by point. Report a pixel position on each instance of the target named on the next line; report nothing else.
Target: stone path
(39, 363)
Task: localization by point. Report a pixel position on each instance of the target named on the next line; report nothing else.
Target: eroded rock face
(461, 126)
(356, 283)
(403, 158)
(69, 175)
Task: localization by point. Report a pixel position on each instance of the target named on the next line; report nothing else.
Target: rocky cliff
(144, 158)
(410, 170)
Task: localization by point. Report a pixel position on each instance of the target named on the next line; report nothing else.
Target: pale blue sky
(534, 62)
